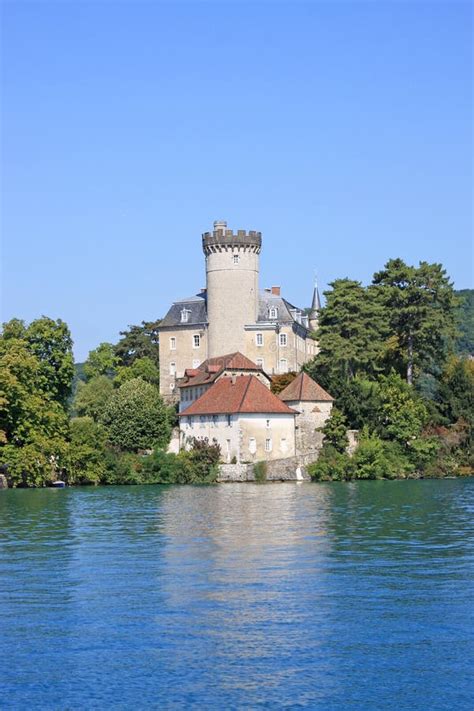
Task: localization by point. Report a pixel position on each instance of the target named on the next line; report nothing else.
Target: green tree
(136, 417)
(139, 342)
(92, 397)
(101, 361)
(351, 335)
(50, 341)
(404, 415)
(421, 312)
(335, 431)
(465, 342)
(85, 462)
(144, 368)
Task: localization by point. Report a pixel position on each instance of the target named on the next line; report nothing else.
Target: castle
(233, 315)
(220, 348)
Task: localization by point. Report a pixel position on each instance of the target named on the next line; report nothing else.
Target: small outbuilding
(244, 417)
(313, 405)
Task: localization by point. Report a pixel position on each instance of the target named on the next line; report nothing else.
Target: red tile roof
(208, 371)
(239, 394)
(304, 388)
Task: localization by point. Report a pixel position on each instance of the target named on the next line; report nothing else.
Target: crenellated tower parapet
(232, 271)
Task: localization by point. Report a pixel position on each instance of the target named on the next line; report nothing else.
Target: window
(185, 315)
(273, 313)
(259, 362)
(172, 368)
(236, 258)
(196, 340)
(172, 343)
(252, 445)
(283, 339)
(229, 421)
(283, 444)
(283, 365)
(172, 386)
(259, 339)
(215, 420)
(196, 363)
(268, 445)
(268, 423)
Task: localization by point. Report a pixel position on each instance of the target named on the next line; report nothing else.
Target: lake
(319, 596)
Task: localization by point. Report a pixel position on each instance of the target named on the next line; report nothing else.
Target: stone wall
(289, 469)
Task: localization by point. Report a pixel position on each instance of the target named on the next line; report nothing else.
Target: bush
(196, 466)
(332, 465)
(260, 472)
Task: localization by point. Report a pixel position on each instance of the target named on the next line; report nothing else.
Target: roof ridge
(301, 383)
(245, 391)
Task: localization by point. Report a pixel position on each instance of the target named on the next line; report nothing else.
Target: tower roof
(304, 389)
(243, 394)
(316, 303)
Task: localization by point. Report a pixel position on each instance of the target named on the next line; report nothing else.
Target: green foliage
(199, 465)
(404, 413)
(260, 472)
(351, 334)
(139, 342)
(101, 361)
(465, 341)
(335, 431)
(144, 368)
(331, 465)
(92, 397)
(86, 461)
(136, 417)
(50, 342)
(420, 309)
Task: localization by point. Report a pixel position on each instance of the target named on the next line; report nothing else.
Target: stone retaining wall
(289, 469)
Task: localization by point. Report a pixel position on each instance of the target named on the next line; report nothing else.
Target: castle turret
(232, 269)
(315, 308)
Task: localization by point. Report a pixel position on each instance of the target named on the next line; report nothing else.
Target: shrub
(331, 465)
(260, 472)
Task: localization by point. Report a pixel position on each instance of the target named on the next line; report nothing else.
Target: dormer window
(185, 313)
(273, 313)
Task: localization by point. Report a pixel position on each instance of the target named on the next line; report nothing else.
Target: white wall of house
(245, 437)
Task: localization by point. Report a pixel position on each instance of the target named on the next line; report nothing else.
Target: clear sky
(340, 130)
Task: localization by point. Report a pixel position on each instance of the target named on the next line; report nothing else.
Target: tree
(335, 431)
(101, 361)
(404, 414)
(465, 342)
(139, 342)
(92, 397)
(144, 368)
(351, 335)
(86, 452)
(50, 341)
(136, 417)
(421, 310)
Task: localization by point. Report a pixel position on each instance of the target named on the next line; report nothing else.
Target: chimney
(220, 225)
(276, 290)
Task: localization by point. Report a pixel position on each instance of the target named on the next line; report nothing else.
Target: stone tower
(232, 267)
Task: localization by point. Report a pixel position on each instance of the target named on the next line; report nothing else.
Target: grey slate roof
(196, 305)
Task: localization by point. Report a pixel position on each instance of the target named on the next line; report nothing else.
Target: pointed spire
(315, 307)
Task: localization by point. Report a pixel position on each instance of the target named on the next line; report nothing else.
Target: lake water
(318, 596)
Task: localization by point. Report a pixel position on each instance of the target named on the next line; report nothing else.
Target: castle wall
(185, 355)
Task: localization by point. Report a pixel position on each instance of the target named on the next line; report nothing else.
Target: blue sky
(340, 130)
